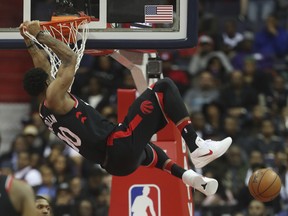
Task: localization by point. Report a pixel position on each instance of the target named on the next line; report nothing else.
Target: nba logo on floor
(145, 200)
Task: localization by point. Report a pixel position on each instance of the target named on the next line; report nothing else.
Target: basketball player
(43, 207)
(122, 148)
(16, 197)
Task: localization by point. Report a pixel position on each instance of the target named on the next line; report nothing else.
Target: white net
(74, 33)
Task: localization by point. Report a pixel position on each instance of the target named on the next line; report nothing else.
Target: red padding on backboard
(126, 96)
(168, 194)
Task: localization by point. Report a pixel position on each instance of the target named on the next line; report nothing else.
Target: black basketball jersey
(82, 128)
(6, 206)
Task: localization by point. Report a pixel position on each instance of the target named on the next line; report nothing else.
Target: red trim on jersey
(8, 183)
(75, 100)
(73, 97)
(119, 134)
(45, 103)
(183, 124)
(155, 158)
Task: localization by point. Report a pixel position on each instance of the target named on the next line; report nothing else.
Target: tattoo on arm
(64, 53)
(39, 57)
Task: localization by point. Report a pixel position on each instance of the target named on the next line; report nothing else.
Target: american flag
(158, 13)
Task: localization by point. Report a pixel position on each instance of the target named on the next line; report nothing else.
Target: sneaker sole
(225, 144)
(210, 187)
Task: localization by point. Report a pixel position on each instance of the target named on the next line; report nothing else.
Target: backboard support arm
(136, 62)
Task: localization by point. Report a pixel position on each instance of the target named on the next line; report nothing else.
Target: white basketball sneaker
(209, 150)
(205, 185)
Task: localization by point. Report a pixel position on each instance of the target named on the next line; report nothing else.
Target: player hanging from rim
(119, 149)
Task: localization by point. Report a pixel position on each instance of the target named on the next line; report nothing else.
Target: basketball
(264, 185)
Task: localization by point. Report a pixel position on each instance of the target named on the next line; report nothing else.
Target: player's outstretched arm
(64, 53)
(65, 75)
(39, 56)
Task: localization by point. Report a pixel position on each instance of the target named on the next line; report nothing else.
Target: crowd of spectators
(234, 83)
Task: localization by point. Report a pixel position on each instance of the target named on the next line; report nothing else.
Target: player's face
(43, 208)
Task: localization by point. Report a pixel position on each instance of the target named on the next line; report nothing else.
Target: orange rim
(55, 20)
(62, 27)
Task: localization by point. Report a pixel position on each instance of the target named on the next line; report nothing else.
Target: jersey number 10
(70, 138)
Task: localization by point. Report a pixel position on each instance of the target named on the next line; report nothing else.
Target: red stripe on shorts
(120, 134)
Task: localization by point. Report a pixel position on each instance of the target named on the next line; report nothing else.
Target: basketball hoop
(64, 28)
(71, 30)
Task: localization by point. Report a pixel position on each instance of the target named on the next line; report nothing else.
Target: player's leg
(126, 144)
(156, 157)
(173, 108)
(151, 111)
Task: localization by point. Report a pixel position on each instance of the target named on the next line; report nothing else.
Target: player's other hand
(33, 27)
(23, 29)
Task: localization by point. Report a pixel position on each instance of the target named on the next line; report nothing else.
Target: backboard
(125, 24)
